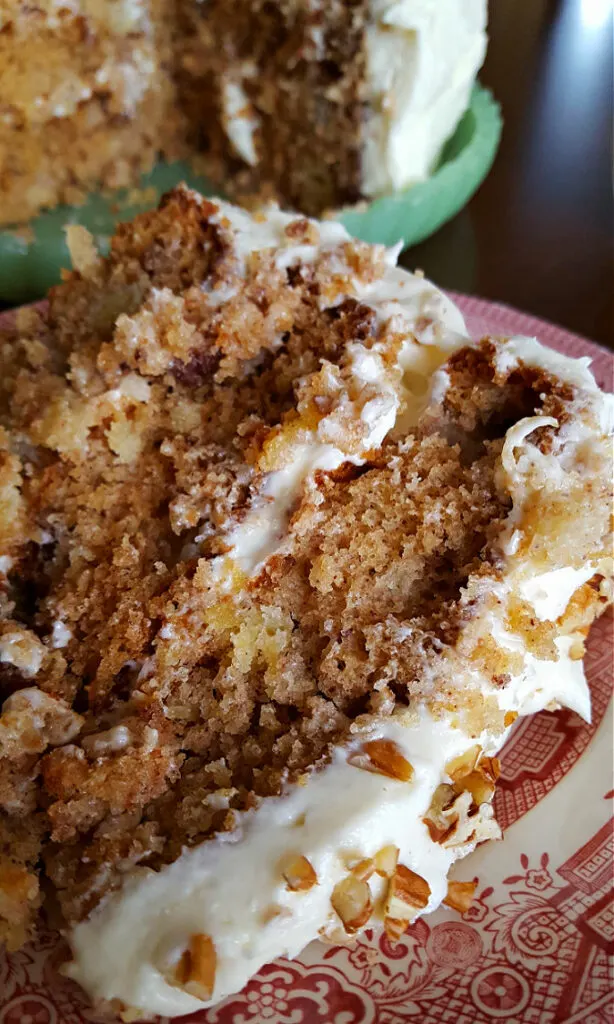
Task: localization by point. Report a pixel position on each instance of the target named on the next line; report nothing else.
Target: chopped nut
(462, 765)
(577, 650)
(510, 718)
(386, 861)
(481, 781)
(460, 896)
(299, 874)
(394, 929)
(490, 768)
(364, 869)
(480, 787)
(408, 894)
(196, 968)
(351, 899)
(435, 819)
(383, 757)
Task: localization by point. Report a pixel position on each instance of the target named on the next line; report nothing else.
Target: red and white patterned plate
(537, 945)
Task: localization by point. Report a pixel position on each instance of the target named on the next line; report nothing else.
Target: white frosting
(268, 232)
(551, 592)
(422, 60)
(263, 530)
(239, 117)
(226, 887)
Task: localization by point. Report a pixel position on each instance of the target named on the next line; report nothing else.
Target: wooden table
(539, 233)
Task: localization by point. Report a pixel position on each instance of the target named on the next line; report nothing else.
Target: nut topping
(196, 968)
(460, 896)
(386, 861)
(299, 874)
(481, 788)
(351, 899)
(408, 894)
(383, 757)
(364, 869)
(394, 929)
(462, 765)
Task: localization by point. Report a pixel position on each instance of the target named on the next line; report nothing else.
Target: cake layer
(285, 556)
(316, 105)
(85, 99)
(324, 104)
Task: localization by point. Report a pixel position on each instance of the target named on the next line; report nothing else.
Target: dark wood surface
(539, 233)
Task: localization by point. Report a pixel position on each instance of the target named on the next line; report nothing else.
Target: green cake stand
(32, 255)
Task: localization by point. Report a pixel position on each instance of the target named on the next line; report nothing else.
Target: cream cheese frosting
(232, 888)
(422, 60)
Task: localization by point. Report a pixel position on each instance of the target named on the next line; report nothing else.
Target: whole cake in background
(283, 557)
(317, 103)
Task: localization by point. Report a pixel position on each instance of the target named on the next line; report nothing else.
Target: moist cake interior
(140, 413)
(314, 104)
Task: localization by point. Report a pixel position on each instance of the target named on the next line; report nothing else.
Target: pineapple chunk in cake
(285, 556)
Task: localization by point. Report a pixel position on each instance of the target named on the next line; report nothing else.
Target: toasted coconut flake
(460, 896)
(299, 874)
(383, 757)
(462, 765)
(351, 900)
(386, 861)
(196, 969)
(408, 894)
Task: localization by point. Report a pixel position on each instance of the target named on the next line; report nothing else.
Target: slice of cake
(284, 557)
(315, 104)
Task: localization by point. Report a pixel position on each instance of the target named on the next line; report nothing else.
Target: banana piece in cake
(316, 104)
(285, 555)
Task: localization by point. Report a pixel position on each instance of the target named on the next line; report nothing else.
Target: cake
(86, 99)
(284, 557)
(314, 104)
